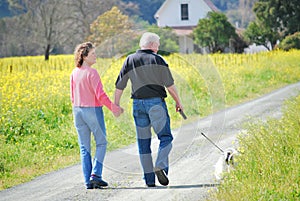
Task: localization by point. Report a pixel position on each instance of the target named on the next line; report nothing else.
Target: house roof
(158, 11)
(211, 5)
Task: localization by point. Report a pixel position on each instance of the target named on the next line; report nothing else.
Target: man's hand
(179, 107)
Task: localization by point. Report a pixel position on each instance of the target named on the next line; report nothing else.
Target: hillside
(141, 11)
(145, 9)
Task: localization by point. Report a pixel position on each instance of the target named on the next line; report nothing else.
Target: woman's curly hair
(82, 50)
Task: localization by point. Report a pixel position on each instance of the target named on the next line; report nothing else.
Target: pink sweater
(87, 89)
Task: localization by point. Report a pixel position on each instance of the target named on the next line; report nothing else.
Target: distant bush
(290, 42)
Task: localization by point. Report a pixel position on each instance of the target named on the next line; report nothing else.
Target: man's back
(148, 73)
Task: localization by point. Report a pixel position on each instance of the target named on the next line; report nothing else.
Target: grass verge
(269, 164)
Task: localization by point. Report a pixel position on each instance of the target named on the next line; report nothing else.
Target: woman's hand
(117, 110)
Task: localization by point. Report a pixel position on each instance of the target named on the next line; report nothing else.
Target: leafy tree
(258, 34)
(275, 19)
(168, 39)
(109, 24)
(85, 12)
(279, 16)
(112, 33)
(214, 32)
(237, 11)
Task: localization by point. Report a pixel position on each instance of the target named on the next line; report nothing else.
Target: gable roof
(211, 5)
(160, 8)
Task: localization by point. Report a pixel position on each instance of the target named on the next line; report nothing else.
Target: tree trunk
(47, 52)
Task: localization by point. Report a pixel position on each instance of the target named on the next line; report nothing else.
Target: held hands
(117, 110)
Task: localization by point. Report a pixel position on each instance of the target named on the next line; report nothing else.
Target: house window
(184, 12)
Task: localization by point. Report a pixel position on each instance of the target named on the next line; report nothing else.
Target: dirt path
(192, 161)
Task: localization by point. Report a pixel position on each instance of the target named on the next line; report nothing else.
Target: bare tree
(85, 12)
(16, 37)
(55, 26)
(45, 21)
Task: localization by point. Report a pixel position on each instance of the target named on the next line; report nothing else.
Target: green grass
(269, 161)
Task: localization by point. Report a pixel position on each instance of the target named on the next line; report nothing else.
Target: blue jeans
(89, 120)
(147, 113)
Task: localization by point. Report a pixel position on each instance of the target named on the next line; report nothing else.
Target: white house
(183, 16)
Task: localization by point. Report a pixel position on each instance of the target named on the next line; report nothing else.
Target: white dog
(225, 163)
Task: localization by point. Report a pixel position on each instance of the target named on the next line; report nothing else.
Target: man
(149, 75)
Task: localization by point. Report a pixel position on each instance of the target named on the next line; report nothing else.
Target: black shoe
(151, 185)
(161, 176)
(97, 182)
(89, 186)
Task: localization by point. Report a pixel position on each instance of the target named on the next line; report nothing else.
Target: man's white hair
(148, 39)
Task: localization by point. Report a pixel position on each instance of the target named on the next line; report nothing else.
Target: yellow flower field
(36, 125)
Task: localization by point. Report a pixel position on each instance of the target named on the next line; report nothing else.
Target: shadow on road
(165, 187)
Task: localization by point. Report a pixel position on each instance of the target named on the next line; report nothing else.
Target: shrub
(291, 42)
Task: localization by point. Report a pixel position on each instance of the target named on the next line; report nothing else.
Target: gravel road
(192, 161)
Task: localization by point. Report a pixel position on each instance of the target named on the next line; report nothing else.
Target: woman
(88, 97)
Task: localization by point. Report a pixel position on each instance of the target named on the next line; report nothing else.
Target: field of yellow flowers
(36, 125)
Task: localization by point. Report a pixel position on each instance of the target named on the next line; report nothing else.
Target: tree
(112, 32)
(275, 19)
(46, 22)
(168, 39)
(53, 25)
(279, 16)
(258, 34)
(214, 32)
(16, 37)
(238, 12)
(109, 24)
(291, 42)
(85, 12)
